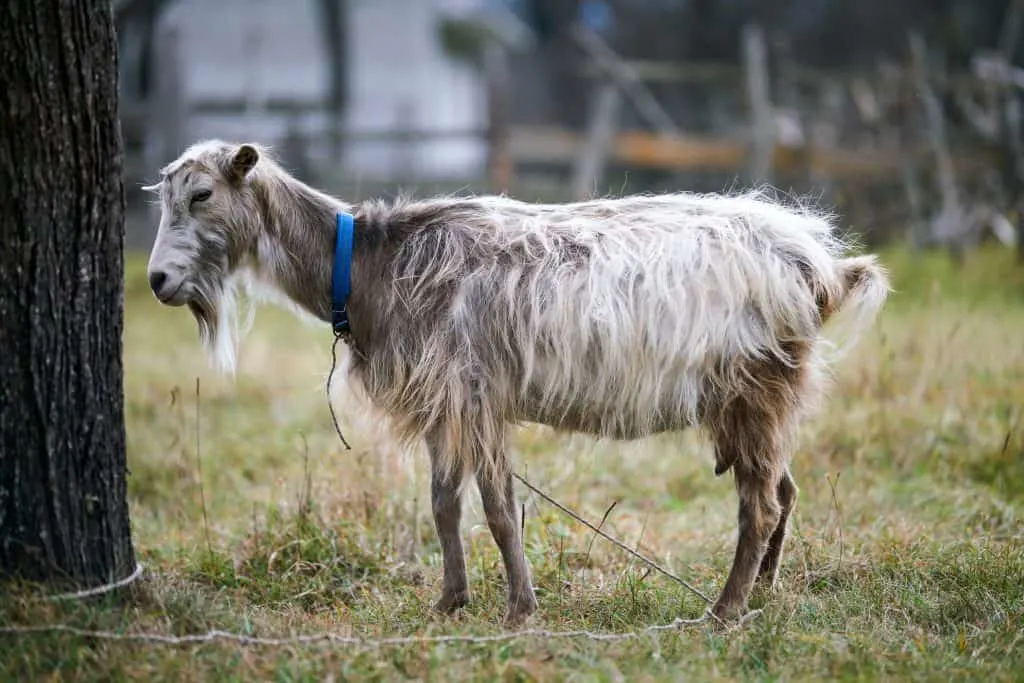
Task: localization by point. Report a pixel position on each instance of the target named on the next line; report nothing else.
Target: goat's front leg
(503, 518)
(446, 501)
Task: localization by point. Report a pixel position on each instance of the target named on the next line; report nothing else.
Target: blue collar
(342, 273)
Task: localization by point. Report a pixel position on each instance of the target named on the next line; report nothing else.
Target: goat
(619, 318)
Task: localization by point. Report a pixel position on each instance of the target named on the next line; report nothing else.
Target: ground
(906, 558)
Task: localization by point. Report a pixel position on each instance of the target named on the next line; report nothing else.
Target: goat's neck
(296, 251)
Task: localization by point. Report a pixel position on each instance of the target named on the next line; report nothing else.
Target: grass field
(906, 559)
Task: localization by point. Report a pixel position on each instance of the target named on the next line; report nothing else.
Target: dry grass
(905, 561)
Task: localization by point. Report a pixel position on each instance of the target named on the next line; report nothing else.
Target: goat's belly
(626, 409)
(586, 420)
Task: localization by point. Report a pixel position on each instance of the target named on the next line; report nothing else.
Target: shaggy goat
(614, 317)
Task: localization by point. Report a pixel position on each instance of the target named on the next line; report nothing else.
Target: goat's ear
(242, 162)
(154, 188)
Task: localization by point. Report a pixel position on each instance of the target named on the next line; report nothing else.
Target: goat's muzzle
(168, 290)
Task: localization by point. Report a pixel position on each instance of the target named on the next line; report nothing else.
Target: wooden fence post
(169, 106)
(762, 124)
(600, 137)
(406, 150)
(623, 75)
(912, 188)
(499, 161)
(168, 112)
(1008, 118)
(949, 226)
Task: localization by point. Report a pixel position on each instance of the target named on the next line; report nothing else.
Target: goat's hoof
(519, 610)
(727, 613)
(452, 601)
(768, 579)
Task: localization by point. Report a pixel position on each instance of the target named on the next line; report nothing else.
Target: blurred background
(904, 116)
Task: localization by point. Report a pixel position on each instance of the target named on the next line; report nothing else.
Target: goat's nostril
(156, 280)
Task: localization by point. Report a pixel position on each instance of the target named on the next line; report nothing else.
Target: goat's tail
(863, 287)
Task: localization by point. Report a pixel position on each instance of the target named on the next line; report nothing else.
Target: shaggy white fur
(615, 317)
(675, 289)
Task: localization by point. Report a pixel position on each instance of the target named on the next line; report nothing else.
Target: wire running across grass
(619, 544)
(330, 638)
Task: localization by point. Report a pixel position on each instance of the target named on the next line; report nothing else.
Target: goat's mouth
(175, 298)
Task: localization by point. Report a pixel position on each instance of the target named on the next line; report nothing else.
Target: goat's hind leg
(749, 433)
(759, 514)
(787, 493)
(499, 500)
(753, 433)
(446, 502)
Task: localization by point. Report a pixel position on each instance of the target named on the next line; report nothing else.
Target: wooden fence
(886, 125)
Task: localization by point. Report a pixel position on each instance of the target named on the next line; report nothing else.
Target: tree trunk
(63, 509)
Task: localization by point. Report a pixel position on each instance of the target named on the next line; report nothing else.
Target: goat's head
(209, 218)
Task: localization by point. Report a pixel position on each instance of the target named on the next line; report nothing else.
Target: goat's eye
(201, 196)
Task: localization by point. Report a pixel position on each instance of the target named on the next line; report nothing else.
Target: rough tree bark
(63, 510)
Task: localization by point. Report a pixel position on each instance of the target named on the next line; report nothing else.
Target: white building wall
(399, 77)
